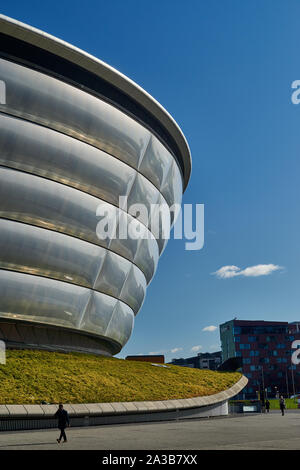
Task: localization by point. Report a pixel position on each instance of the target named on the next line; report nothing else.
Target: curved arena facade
(75, 135)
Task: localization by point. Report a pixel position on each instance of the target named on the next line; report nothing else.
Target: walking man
(282, 405)
(267, 406)
(63, 422)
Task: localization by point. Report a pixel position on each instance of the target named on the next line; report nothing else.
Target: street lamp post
(262, 375)
(293, 382)
(287, 383)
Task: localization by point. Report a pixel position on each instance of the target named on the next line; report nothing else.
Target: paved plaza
(240, 432)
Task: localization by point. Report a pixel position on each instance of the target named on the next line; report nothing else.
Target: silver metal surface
(37, 201)
(156, 162)
(44, 100)
(66, 157)
(62, 49)
(42, 300)
(43, 152)
(34, 250)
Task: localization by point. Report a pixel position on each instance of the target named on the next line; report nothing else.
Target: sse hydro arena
(75, 134)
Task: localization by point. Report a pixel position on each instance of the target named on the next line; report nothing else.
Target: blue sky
(223, 69)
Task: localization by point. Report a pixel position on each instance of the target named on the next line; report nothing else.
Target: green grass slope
(36, 376)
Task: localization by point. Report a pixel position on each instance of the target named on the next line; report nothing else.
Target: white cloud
(260, 270)
(215, 347)
(210, 328)
(227, 271)
(252, 271)
(196, 348)
(174, 350)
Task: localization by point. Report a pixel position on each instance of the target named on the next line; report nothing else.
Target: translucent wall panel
(98, 313)
(44, 152)
(133, 292)
(172, 188)
(113, 274)
(142, 192)
(42, 252)
(45, 100)
(156, 162)
(121, 323)
(66, 157)
(37, 299)
(46, 204)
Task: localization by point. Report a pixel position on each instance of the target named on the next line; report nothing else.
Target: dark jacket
(63, 418)
(282, 403)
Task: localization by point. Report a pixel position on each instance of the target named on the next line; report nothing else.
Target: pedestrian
(282, 405)
(63, 422)
(267, 406)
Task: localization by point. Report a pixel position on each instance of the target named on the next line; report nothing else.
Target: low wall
(21, 417)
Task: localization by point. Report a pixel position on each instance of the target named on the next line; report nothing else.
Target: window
(290, 338)
(244, 346)
(254, 353)
(270, 338)
(252, 339)
(246, 360)
(255, 368)
(237, 339)
(264, 360)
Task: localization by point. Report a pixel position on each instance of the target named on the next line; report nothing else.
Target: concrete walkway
(266, 431)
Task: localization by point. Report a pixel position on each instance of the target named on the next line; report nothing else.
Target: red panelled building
(266, 351)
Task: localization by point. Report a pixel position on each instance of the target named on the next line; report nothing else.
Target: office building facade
(265, 348)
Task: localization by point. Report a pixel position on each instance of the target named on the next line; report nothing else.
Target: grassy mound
(290, 403)
(36, 376)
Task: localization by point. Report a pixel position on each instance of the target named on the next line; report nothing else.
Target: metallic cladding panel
(41, 300)
(172, 187)
(87, 72)
(96, 317)
(134, 289)
(34, 250)
(113, 274)
(38, 150)
(37, 201)
(37, 97)
(121, 323)
(44, 100)
(37, 299)
(65, 157)
(41, 252)
(156, 162)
